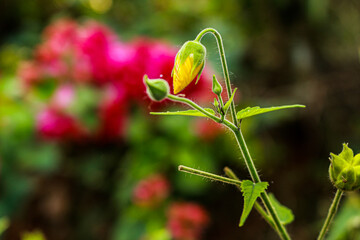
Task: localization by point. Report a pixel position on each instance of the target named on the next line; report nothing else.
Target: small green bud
(157, 89)
(216, 87)
(344, 170)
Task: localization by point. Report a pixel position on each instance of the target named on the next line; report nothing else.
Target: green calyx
(157, 89)
(344, 170)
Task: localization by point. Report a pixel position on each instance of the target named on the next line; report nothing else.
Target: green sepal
(252, 111)
(251, 191)
(347, 153)
(157, 89)
(192, 112)
(338, 163)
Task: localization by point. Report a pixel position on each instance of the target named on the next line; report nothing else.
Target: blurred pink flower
(187, 221)
(94, 42)
(53, 124)
(113, 113)
(63, 97)
(75, 55)
(151, 191)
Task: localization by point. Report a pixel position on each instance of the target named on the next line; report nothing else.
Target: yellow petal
(183, 74)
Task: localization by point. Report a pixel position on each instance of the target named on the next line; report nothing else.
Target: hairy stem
(220, 44)
(332, 211)
(209, 175)
(281, 230)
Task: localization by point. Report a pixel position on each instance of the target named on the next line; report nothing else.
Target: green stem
(209, 175)
(194, 105)
(248, 160)
(220, 44)
(281, 230)
(332, 211)
(257, 205)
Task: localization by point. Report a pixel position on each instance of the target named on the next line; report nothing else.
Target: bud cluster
(344, 170)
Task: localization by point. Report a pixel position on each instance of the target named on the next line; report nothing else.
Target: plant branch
(209, 175)
(281, 230)
(332, 211)
(220, 44)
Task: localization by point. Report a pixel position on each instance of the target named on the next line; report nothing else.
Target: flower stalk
(332, 211)
(220, 44)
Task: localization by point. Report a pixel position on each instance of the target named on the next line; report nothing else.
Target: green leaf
(285, 214)
(194, 113)
(227, 104)
(252, 111)
(251, 191)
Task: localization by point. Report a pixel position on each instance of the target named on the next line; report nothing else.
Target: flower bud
(216, 87)
(189, 63)
(157, 89)
(344, 170)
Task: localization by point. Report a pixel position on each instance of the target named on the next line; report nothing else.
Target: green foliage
(4, 224)
(228, 103)
(252, 111)
(194, 113)
(251, 191)
(285, 214)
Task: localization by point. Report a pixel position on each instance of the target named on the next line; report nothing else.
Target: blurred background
(81, 158)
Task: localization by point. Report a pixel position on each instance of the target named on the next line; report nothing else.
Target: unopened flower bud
(216, 87)
(157, 89)
(344, 170)
(189, 63)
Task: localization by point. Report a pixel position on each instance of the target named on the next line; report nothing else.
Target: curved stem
(281, 230)
(220, 44)
(332, 211)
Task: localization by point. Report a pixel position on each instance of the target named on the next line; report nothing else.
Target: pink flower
(56, 125)
(151, 191)
(63, 97)
(113, 113)
(187, 221)
(94, 42)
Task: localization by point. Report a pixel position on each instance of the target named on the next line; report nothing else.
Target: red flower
(151, 191)
(187, 221)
